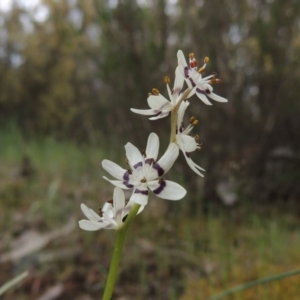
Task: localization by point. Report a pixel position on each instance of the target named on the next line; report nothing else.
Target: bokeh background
(70, 71)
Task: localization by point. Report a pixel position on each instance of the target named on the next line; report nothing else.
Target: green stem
(254, 283)
(116, 257)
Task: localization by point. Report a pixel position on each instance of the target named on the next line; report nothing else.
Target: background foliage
(70, 70)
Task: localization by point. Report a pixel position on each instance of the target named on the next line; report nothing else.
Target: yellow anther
(191, 55)
(167, 80)
(201, 70)
(143, 180)
(195, 122)
(214, 80)
(155, 91)
(196, 137)
(192, 119)
(206, 59)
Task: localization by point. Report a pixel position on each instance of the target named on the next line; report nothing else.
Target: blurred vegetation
(72, 69)
(69, 73)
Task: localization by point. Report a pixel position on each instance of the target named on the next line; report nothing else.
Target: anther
(155, 91)
(129, 171)
(195, 122)
(201, 70)
(167, 80)
(143, 180)
(206, 59)
(191, 55)
(100, 213)
(192, 119)
(144, 153)
(215, 80)
(196, 137)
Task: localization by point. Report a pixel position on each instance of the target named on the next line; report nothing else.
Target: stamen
(155, 91)
(215, 80)
(191, 55)
(195, 122)
(129, 171)
(143, 180)
(206, 59)
(167, 80)
(144, 153)
(201, 70)
(196, 137)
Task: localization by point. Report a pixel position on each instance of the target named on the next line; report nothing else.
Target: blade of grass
(13, 282)
(250, 284)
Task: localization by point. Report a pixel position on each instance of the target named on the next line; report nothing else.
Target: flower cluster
(144, 172)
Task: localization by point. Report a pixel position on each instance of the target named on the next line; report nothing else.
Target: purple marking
(126, 180)
(200, 91)
(207, 91)
(143, 192)
(162, 185)
(159, 169)
(192, 82)
(139, 164)
(186, 72)
(149, 161)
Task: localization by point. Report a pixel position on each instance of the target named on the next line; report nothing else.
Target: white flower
(159, 105)
(112, 214)
(185, 142)
(145, 173)
(201, 86)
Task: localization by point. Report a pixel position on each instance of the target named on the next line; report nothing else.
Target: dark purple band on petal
(159, 169)
(149, 161)
(186, 72)
(143, 192)
(162, 185)
(139, 164)
(127, 184)
(200, 91)
(207, 91)
(192, 82)
(126, 180)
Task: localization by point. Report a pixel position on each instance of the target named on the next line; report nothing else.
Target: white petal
(186, 143)
(119, 183)
(128, 207)
(160, 116)
(217, 98)
(119, 204)
(152, 146)
(181, 58)
(91, 226)
(133, 155)
(146, 112)
(89, 213)
(179, 80)
(165, 162)
(182, 108)
(203, 98)
(140, 196)
(113, 169)
(159, 103)
(166, 189)
(192, 165)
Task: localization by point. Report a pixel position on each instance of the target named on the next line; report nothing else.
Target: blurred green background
(69, 73)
